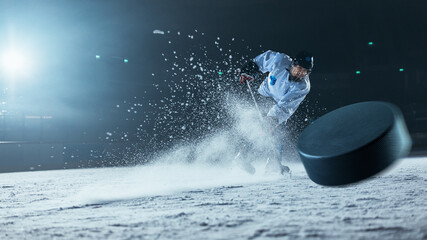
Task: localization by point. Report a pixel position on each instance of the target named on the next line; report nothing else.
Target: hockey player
(287, 84)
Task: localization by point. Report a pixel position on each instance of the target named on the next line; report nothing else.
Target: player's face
(299, 72)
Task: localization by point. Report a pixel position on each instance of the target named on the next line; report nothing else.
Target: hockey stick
(253, 97)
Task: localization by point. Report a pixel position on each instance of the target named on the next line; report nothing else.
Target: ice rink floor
(196, 202)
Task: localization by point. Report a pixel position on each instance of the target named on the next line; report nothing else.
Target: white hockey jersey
(287, 94)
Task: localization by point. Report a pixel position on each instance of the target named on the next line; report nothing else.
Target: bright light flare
(14, 63)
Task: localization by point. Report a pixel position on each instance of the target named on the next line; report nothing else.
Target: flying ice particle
(158, 32)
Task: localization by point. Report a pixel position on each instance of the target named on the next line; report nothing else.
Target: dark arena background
(134, 107)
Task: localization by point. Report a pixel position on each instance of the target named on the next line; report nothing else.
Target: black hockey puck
(353, 143)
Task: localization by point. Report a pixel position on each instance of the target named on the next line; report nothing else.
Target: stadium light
(14, 63)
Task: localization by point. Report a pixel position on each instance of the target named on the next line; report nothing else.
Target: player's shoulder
(278, 54)
(282, 60)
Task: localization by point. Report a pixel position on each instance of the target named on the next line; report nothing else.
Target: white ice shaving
(158, 32)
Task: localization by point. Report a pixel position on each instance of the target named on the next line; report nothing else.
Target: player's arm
(264, 63)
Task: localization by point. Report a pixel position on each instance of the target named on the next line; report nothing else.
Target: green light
(357, 72)
(98, 57)
(220, 73)
(370, 43)
(401, 69)
(126, 60)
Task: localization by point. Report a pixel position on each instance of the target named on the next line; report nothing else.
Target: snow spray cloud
(208, 162)
(193, 96)
(246, 134)
(187, 97)
(204, 117)
(159, 180)
(198, 165)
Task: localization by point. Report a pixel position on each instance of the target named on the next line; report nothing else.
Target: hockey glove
(248, 72)
(246, 77)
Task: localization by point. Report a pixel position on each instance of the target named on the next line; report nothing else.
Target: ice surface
(165, 179)
(206, 202)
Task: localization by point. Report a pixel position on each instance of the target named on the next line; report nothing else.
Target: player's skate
(274, 166)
